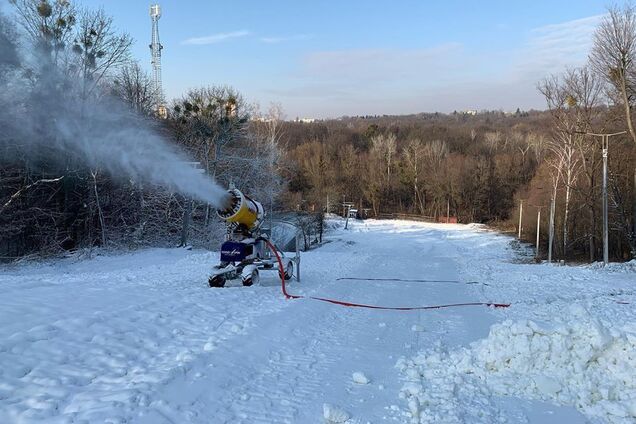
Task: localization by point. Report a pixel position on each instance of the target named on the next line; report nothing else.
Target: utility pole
(551, 228)
(185, 229)
(605, 147)
(520, 216)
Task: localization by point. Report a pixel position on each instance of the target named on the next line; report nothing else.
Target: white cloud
(216, 38)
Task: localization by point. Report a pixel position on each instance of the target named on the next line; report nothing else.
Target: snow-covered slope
(141, 338)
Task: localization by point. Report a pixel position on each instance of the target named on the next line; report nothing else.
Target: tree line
(59, 59)
(66, 73)
(482, 168)
(419, 165)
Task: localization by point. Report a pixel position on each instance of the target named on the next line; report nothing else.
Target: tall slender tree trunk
(566, 214)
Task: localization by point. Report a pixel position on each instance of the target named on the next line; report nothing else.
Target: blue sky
(333, 58)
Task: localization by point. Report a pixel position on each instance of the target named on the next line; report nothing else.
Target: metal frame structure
(155, 49)
(605, 147)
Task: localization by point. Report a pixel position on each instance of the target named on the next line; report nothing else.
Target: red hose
(281, 269)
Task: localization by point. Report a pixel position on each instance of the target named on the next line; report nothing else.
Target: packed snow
(140, 337)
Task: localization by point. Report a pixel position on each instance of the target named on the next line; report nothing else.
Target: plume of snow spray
(46, 120)
(125, 146)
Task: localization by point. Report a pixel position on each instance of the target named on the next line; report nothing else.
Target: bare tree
(572, 100)
(613, 56)
(586, 92)
(49, 24)
(413, 154)
(135, 88)
(211, 117)
(493, 140)
(435, 152)
(384, 145)
(98, 49)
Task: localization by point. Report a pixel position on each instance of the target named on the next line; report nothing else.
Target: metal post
(186, 222)
(538, 230)
(520, 216)
(605, 146)
(605, 222)
(551, 229)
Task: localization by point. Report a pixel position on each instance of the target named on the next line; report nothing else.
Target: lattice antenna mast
(155, 48)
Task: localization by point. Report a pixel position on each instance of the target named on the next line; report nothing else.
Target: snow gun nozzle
(227, 202)
(240, 209)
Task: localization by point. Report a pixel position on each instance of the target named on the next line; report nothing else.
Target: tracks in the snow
(279, 387)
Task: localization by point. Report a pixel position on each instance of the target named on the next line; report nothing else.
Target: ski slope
(140, 338)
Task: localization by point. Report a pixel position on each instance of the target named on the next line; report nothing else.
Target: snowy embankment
(569, 338)
(140, 338)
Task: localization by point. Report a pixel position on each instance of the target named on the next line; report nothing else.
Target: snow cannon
(242, 210)
(246, 249)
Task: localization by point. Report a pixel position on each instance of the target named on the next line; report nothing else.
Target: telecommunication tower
(155, 48)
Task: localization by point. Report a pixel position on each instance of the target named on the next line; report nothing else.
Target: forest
(78, 81)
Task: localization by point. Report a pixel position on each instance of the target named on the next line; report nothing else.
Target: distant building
(262, 119)
(305, 120)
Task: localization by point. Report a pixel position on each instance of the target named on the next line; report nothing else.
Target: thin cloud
(216, 38)
(445, 77)
(364, 65)
(551, 48)
(282, 39)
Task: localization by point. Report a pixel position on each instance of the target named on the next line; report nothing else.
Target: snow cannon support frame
(245, 250)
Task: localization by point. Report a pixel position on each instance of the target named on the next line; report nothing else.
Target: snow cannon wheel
(289, 271)
(251, 279)
(216, 281)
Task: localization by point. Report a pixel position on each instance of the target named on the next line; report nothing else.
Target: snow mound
(333, 414)
(582, 363)
(615, 267)
(360, 378)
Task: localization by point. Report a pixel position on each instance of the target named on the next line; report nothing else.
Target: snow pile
(582, 363)
(360, 378)
(623, 267)
(333, 414)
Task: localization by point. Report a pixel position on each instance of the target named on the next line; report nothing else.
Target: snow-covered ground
(140, 338)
